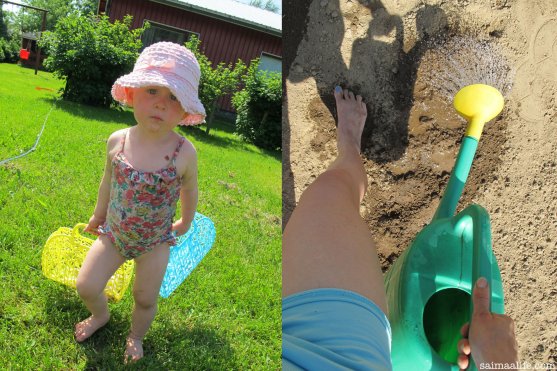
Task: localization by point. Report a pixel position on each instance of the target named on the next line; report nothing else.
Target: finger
(463, 346)
(88, 229)
(481, 297)
(464, 329)
(462, 362)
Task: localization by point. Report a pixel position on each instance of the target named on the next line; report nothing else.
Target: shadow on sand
(382, 72)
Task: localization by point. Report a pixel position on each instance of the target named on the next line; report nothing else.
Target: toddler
(148, 167)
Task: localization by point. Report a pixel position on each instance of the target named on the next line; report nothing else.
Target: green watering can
(429, 286)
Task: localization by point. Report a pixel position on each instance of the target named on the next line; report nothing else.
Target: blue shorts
(334, 329)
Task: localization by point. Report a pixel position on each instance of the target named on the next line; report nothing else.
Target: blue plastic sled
(187, 253)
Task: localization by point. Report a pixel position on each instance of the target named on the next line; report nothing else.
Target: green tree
(3, 24)
(29, 20)
(85, 7)
(91, 53)
(259, 108)
(216, 81)
(9, 42)
(9, 50)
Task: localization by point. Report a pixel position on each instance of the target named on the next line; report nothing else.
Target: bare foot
(352, 115)
(134, 350)
(87, 327)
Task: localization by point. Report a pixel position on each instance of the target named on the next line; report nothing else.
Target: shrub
(215, 82)
(259, 108)
(91, 53)
(9, 50)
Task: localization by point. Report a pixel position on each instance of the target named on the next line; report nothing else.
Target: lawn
(226, 314)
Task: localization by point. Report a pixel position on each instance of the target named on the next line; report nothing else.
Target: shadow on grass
(194, 347)
(165, 347)
(124, 116)
(201, 135)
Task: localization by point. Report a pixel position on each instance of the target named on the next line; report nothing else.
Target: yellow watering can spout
(478, 104)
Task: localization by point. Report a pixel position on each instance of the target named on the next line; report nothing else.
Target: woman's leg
(326, 244)
(102, 260)
(149, 272)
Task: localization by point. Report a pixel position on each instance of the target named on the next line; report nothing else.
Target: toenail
(338, 89)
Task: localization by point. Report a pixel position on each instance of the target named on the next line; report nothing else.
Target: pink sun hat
(170, 65)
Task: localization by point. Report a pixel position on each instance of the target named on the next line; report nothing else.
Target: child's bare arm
(188, 193)
(99, 215)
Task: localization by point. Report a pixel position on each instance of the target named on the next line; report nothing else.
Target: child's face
(155, 107)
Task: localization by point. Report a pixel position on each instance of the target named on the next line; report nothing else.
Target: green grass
(225, 315)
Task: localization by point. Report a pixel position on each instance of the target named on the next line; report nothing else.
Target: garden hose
(36, 141)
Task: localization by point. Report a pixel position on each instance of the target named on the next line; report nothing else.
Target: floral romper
(142, 205)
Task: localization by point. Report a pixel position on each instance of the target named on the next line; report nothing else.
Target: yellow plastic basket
(64, 253)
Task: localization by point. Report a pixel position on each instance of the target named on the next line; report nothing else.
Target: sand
(412, 135)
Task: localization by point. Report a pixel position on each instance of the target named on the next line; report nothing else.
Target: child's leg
(149, 272)
(102, 260)
(326, 244)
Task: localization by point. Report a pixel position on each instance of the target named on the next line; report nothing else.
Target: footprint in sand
(537, 72)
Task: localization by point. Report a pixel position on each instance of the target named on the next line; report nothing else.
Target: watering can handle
(482, 254)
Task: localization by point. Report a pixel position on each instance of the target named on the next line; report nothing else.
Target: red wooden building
(228, 30)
